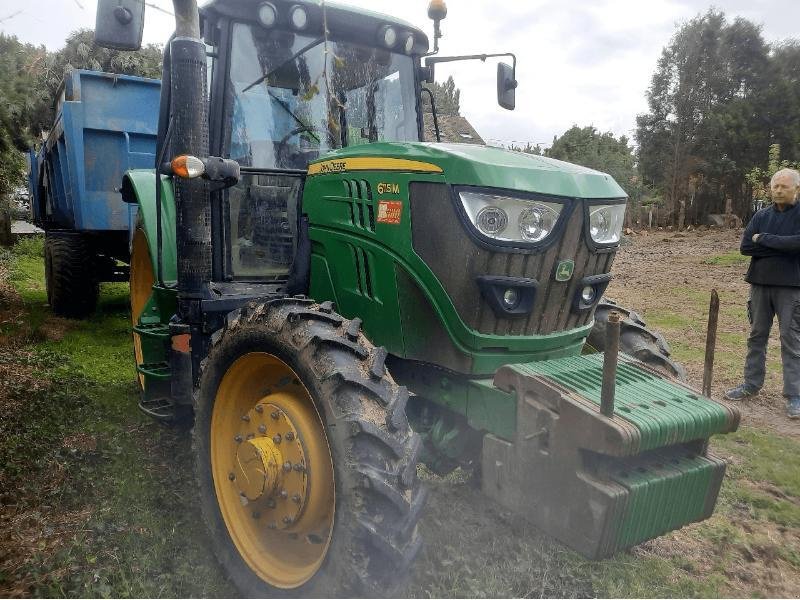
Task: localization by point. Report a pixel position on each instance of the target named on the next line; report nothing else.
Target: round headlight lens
(267, 14)
(389, 36)
(536, 223)
(588, 294)
(510, 298)
(492, 220)
(299, 17)
(605, 223)
(409, 45)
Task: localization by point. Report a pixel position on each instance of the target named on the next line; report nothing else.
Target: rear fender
(138, 187)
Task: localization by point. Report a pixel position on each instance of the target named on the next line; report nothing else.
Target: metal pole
(711, 342)
(610, 365)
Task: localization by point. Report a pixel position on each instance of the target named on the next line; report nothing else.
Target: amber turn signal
(187, 166)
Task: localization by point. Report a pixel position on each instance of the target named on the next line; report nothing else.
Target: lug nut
(299, 467)
(296, 498)
(245, 417)
(274, 414)
(262, 429)
(231, 476)
(284, 494)
(276, 438)
(289, 436)
(287, 519)
(287, 466)
(270, 503)
(238, 439)
(259, 408)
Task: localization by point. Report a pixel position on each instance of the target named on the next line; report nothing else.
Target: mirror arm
(433, 112)
(432, 60)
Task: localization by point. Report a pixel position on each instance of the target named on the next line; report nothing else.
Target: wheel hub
(270, 466)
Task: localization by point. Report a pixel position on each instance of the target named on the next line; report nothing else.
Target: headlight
(509, 219)
(605, 222)
(299, 17)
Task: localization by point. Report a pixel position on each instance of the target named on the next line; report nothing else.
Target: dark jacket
(776, 254)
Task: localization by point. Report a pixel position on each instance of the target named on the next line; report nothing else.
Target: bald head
(784, 187)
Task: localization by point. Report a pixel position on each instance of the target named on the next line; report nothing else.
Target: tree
(588, 147)
(713, 112)
(528, 148)
(446, 95)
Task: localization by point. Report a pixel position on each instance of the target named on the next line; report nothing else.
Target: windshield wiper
(294, 116)
(302, 50)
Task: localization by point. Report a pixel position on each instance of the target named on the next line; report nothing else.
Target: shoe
(793, 407)
(741, 392)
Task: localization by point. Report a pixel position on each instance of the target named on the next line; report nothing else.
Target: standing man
(772, 239)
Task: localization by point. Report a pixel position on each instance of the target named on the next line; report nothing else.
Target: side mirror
(119, 24)
(506, 86)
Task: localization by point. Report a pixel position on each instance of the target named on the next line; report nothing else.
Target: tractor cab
(288, 83)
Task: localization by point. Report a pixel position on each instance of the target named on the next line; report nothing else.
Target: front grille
(440, 239)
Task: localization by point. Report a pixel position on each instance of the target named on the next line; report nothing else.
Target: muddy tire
(635, 339)
(295, 348)
(72, 288)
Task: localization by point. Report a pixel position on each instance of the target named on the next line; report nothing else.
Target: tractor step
(156, 330)
(161, 408)
(158, 370)
(600, 484)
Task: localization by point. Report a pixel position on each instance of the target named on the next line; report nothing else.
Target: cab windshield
(291, 98)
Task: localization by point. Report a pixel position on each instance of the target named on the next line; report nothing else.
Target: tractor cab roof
(343, 21)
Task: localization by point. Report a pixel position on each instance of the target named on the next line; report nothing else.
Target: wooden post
(5, 227)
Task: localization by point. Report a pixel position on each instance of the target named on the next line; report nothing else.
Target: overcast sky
(584, 63)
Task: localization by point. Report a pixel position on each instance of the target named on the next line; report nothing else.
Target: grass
(121, 514)
(727, 259)
(104, 501)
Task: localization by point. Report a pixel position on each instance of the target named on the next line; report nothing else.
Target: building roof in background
(452, 129)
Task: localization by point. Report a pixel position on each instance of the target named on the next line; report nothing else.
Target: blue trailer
(105, 124)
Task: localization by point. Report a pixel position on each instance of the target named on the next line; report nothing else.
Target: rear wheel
(635, 339)
(305, 460)
(72, 286)
(141, 284)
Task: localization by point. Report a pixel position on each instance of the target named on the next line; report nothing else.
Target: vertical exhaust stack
(189, 109)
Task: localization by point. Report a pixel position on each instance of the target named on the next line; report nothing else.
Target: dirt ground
(649, 274)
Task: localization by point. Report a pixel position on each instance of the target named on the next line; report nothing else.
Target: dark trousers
(766, 302)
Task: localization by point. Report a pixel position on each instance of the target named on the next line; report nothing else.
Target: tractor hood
(486, 166)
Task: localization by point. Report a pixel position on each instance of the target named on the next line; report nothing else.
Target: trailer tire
(635, 339)
(72, 287)
(290, 364)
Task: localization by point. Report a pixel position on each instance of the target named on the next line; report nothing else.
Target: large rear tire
(635, 339)
(70, 279)
(304, 457)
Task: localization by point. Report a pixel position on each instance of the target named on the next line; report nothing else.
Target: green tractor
(333, 301)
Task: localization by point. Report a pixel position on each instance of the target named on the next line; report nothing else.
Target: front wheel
(305, 460)
(635, 339)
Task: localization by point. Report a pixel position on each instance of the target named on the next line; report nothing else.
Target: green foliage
(528, 149)
(720, 96)
(588, 147)
(759, 177)
(446, 95)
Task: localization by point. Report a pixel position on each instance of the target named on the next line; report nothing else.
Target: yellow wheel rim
(141, 282)
(272, 470)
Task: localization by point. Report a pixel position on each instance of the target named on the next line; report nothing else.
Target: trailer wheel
(635, 339)
(305, 461)
(72, 288)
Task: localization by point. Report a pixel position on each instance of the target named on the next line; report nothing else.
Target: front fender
(139, 187)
